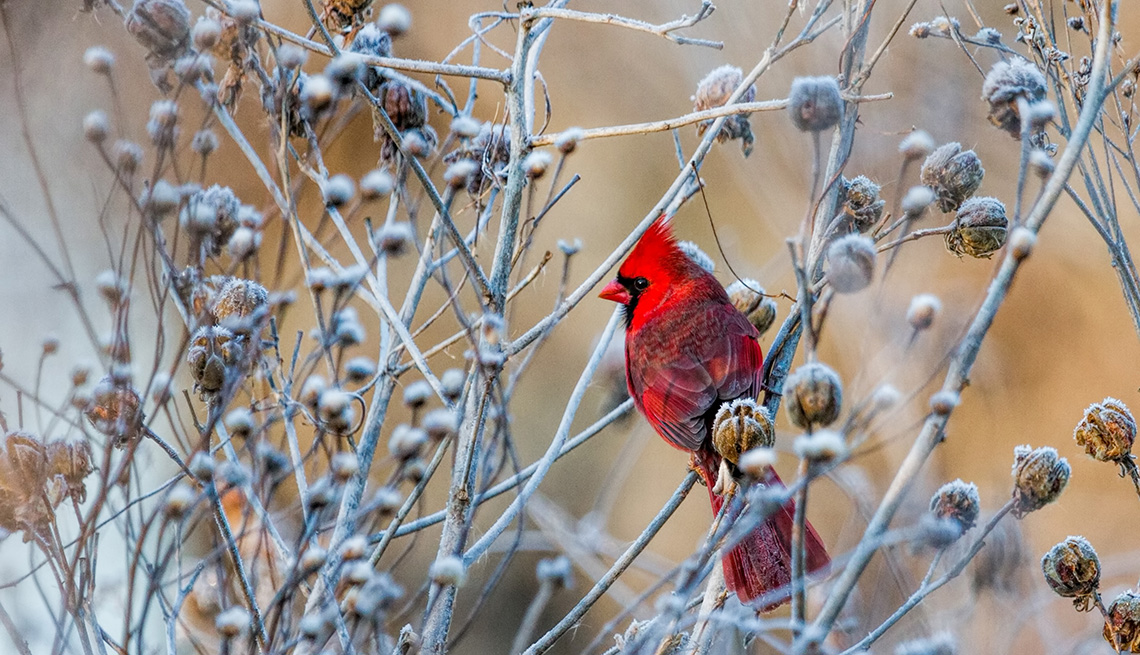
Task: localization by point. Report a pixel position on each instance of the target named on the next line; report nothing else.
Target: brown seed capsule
(239, 303)
(116, 411)
(210, 217)
(213, 357)
(979, 229)
(741, 426)
(814, 103)
(862, 207)
(957, 501)
(851, 263)
(23, 478)
(405, 105)
(1107, 431)
(714, 91)
(954, 175)
(746, 295)
(813, 395)
(68, 464)
(1005, 83)
(1122, 625)
(161, 26)
(1039, 477)
(1072, 570)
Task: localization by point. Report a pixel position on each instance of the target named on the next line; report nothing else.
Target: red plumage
(688, 351)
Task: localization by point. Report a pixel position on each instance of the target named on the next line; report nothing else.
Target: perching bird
(688, 351)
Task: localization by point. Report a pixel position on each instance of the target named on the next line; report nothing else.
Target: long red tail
(762, 561)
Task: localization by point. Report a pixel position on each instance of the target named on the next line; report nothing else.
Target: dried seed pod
(393, 238)
(924, 308)
(917, 199)
(161, 26)
(99, 60)
(1072, 570)
(68, 464)
(740, 426)
(1122, 625)
(957, 501)
(338, 191)
(820, 447)
(814, 103)
(116, 411)
(916, 145)
(1021, 242)
(210, 217)
(1039, 477)
(417, 394)
(96, 126)
(440, 423)
(746, 295)
(23, 480)
(944, 401)
(979, 229)
(1005, 83)
(213, 357)
(714, 91)
(240, 302)
(813, 395)
(395, 19)
(405, 105)
(359, 369)
(954, 175)
(406, 441)
(448, 570)
(233, 622)
(756, 462)
(1107, 431)
(491, 149)
(451, 383)
(376, 184)
(862, 207)
(851, 263)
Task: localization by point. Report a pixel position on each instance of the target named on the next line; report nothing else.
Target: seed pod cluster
(813, 395)
(714, 91)
(1039, 477)
(953, 174)
(740, 426)
(980, 228)
(35, 478)
(1072, 570)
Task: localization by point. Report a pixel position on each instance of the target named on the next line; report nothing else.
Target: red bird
(688, 351)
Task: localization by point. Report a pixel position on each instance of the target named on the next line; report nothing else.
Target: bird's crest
(656, 248)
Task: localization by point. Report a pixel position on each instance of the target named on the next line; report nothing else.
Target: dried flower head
(213, 356)
(404, 104)
(924, 308)
(116, 411)
(338, 190)
(1006, 82)
(957, 501)
(916, 200)
(68, 465)
(240, 303)
(1072, 570)
(740, 426)
(440, 423)
(448, 571)
(748, 296)
(813, 395)
(916, 145)
(376, 184)
(395, 19)
(820, 447)
(862, 207)
(1107, 432)
(96, 126)
(714, 91)
(161, 26)
(979, 229)
(23, 478)
(851, 263)
(491, 149)
(1122, 625)
(210, 217)
(99, 60)
(814, 103)
(954, 175)
(451, 383)
(1039, 477)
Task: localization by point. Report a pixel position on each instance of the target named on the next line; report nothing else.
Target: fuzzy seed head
(448, 571)
(376, 184)
(354, 548)
(1006, 82)
(1072, 570)
(1122, 626)
(980, 228)
(1039, 477)
(916, 145)
(290, 56)
(459, 174)
(885, 397)
(754, 463)
(338, 191)
(536, 163)
(954, 175)
(746, 295)
(343, 466)
(387, 500)
(99, 60)
(917, 199)
(924, 309)
(96, 126)
(1021, 242)
(714, 91)
(395, 19)
(567, 141)
(862, 207)
(813, 395)
(359, 369)
(161, 199)
(814, 103)
(851, 263)
(206, 33)
(440, 423)
(240, 422)
(316, 93)
(451, 383)
(313, 558)
(202, 466)
(1041, 163)
(393, 238)
(178, 502)
(205, 142)
(232, 622)
(127, 155)
(741, 425)
(1107, 431)
(957, 501)
(417, 394)
(820, 447)
(943, 402)
(406, 441)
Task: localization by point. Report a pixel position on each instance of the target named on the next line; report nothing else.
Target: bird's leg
(725, 485)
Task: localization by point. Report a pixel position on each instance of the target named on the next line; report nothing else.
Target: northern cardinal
(688, 351)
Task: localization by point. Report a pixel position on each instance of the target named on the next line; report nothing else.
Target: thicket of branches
(301, 458)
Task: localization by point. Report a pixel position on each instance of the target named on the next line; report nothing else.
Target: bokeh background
(1061, 341)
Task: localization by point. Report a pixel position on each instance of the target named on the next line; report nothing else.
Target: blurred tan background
(1062, 341)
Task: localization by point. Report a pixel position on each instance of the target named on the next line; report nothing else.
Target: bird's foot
(725, 484)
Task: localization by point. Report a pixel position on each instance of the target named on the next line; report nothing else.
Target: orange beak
(616, 292)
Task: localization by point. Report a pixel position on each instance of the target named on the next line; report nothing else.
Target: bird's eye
(640, 284)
